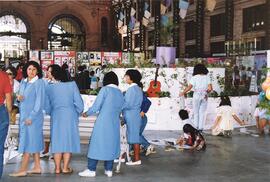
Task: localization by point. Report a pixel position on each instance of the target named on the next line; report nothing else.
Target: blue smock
(131, 110)
(105, 139)
(31, 108)
(64, 104)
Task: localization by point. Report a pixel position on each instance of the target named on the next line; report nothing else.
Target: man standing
(5, 95)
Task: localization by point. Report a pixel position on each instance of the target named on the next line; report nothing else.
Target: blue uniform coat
(105, 139)
(131, 110)
(64, 104)
(31, 108)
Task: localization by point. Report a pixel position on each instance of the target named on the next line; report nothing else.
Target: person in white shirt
(12, 73)
(224, 121)
(201, 85)
(262, 119)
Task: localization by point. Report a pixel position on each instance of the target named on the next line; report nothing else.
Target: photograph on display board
(45, 64)
(83, 59)
(58, 57)
(46, 59)
(95, 58)
(57, 60)
(72, 66)
(139, 58)
(34, 56)
(249, 71)
(127, 57)
(111, 58)
(46, 55)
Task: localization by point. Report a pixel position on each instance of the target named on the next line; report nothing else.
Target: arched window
(66, 32)
(104, 31)
(14, 37)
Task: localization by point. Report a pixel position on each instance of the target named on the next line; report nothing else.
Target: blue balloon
(261, 96)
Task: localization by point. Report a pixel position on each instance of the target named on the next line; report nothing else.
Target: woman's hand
(20, 98)
(28, 122)
(182, 94)
(84, 115)
(142, 114)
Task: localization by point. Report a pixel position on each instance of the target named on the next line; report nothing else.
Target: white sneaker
(137, 163)
(87, 173)
(44, 155)
(117, 160)
(109, 173)
(150, 150)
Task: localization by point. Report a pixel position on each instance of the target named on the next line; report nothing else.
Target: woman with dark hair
(19, 74)
(65, 69)
(225, 115)
(105, 139)
(131, 111)
(201, 85)
(192, 139)
(31, 98)
(64, 104)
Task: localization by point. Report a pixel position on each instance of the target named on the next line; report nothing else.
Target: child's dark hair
(225, 101)
(188, 128)
(183, 114)
(200, 69)
(92, 73)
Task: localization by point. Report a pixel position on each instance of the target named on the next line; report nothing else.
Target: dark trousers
(92, 165)
(4, 122)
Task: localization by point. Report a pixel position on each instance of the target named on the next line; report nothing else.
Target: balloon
(266, 84)
(268, 94)
(261, 96)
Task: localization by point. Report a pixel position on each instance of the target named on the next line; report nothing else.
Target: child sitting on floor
(192, 139)
(224, 122)
(261, 115)
(184, 116)
(262, 119)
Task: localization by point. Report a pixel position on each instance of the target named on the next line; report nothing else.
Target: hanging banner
(111, 58)
(147, 14)
(132, 12)
(210, 5)
(165, 56)
(120, 23)
(163, 9)
(145, 22)
(183, 13)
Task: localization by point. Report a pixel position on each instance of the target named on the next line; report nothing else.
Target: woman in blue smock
(131, 111)
(31, 97)
(64, 104)
(105, 139)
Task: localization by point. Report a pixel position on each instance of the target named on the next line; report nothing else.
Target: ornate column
(200, 28)
(156, 5)
(129, 31)
(176, 24)
(229, 13)
(142, 28)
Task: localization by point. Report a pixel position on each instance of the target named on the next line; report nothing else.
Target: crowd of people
(59, 96)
